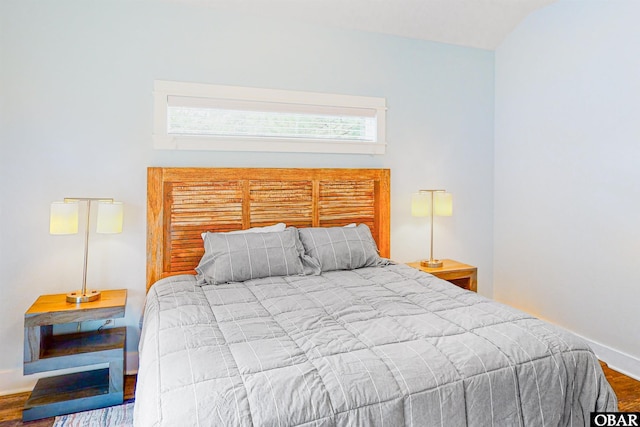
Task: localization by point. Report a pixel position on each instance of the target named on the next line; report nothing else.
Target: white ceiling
(475, 23)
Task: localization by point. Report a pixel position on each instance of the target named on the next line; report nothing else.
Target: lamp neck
(432, 215)
(86, 248)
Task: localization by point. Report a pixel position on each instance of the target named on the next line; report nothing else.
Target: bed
(327, 331)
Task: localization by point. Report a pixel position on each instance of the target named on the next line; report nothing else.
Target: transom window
(212, 117)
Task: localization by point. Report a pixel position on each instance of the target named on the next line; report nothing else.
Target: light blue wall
(76, 81)
(567, 172)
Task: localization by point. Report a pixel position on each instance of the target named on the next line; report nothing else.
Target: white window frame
(164, 141)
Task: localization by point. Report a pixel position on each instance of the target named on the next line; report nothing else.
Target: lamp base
(78, 297)
(431, 263)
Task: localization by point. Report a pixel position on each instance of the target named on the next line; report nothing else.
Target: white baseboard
(616, 360)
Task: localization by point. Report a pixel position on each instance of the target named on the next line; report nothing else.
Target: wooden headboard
(184, 202)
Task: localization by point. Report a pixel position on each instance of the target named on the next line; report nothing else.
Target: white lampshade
(421, 203)
(443, 203)
(110, 217)
(63, 218)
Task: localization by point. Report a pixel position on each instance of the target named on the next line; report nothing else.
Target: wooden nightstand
(463, 275)
(44, 351)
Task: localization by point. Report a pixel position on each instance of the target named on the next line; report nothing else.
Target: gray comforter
(381, 346)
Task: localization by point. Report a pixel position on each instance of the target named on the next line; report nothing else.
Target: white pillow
(266, 229)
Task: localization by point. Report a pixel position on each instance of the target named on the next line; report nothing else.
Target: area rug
(113, 416)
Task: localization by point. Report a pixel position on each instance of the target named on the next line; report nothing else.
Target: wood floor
(627, 389)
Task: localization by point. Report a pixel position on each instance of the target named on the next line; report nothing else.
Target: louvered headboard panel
(185, 202)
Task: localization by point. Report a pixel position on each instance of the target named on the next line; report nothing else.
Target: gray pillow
(231, 257)
(341, 248)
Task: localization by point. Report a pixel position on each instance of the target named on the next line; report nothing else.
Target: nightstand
(463, 275)
(44, 351)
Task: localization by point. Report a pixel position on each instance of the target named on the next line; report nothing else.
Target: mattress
(379, 346)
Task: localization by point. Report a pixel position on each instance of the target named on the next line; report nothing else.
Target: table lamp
(431, 203)
(64, 220)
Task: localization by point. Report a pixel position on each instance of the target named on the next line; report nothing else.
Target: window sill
(272, 145)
